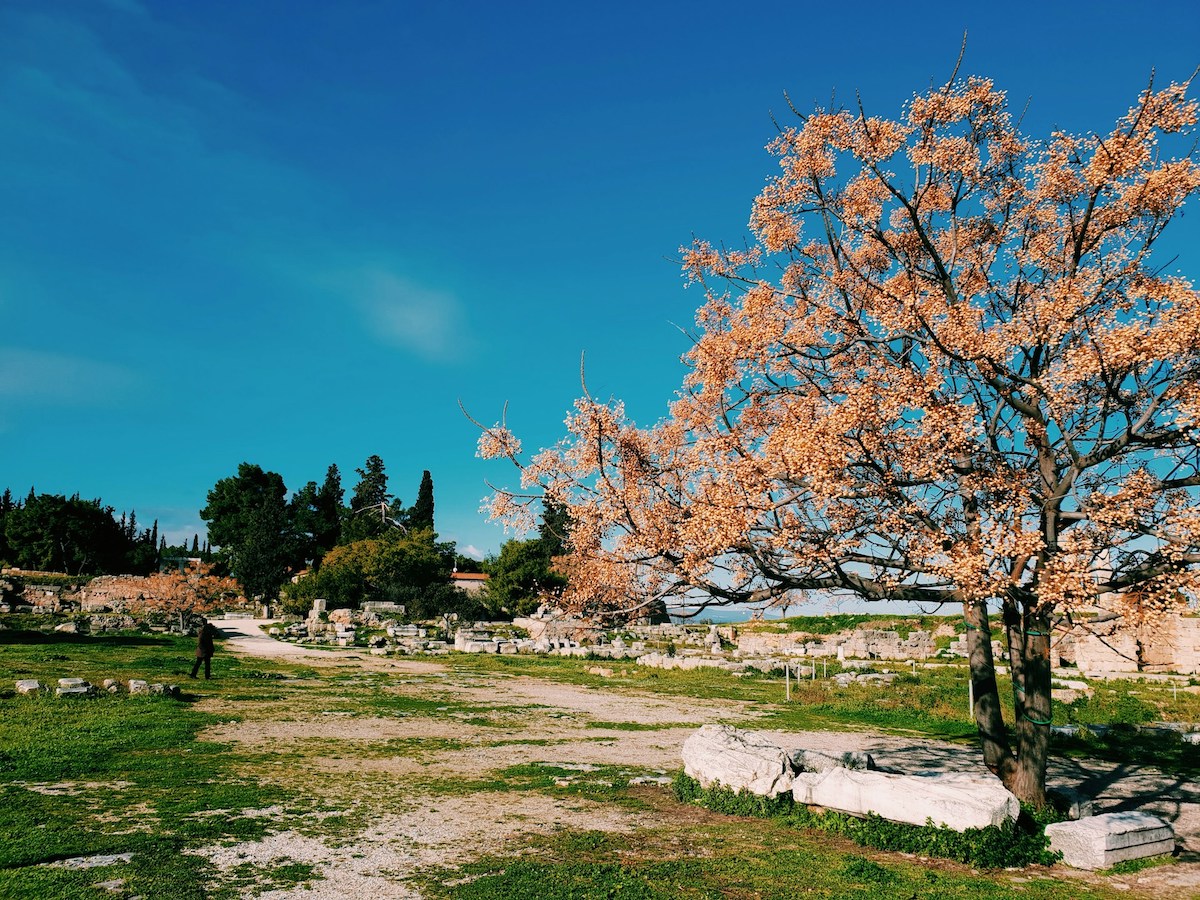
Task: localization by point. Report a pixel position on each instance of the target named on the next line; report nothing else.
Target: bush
(1016, 844)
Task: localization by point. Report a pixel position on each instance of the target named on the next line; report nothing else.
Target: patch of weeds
(859, 868)
(258, 879)
(1108, 706)
(1013, 844)
(607, 783)
(1133, 866)
(635, 726)
(481, 722)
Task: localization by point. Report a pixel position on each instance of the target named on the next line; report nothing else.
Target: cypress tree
(421, 515)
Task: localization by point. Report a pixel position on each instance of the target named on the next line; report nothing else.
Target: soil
(555, 725)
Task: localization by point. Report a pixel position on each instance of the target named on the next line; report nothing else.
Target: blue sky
(299, 233)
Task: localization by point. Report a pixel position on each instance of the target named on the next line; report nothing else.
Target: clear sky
(299, 233)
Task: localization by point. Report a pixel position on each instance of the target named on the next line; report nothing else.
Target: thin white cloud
(472, 551)
(58, 379)
(402, 313)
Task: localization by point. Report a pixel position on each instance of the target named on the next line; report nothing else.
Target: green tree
(248, 522)
(302, 509)
(54, 533)
(410, 568)
(421, 513)
(372, 508)
(6, 506)
(520, 578)
(554, 527)
(329, 511)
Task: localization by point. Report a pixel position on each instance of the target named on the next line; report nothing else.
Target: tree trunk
(997, 755)
(1029, 651)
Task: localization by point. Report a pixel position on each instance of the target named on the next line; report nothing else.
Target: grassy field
(142, 779)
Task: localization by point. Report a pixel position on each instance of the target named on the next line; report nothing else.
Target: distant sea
(821, 606)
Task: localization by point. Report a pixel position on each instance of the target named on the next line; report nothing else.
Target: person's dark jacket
(204, 641)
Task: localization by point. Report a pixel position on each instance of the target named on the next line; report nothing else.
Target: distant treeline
(305, 543)
(55, 533)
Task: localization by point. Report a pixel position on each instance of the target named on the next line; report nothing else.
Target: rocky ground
(559, 728)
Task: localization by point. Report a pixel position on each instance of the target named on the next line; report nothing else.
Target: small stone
(137, 686)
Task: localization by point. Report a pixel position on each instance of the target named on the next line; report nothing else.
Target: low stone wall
(861, 643)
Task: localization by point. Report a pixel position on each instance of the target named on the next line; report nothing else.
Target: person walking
(204, 649)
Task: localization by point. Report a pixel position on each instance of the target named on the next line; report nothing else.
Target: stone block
(29, 686)
(739, 760)
(1074, 803)
(72, 682)
(957, 800)
(1191, 738)
(1100, 842)
(820, 761)
(79, 691)
(137, 686)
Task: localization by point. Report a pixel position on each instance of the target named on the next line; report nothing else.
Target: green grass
(116, 773)
(139, 780)
(714, 860)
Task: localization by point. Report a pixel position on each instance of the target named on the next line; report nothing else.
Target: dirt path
(577, 727)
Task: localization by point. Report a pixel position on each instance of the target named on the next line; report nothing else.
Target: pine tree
(195, 545)
(372, 508)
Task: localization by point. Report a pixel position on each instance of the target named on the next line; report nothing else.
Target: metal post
(787, 680)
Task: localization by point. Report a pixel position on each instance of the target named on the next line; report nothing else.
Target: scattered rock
(29, 686)
(90, 862)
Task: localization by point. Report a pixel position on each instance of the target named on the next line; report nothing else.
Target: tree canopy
(248, 523)
(949, 368)
(51, 532)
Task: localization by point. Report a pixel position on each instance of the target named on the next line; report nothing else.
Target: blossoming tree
(949, 369)
(192, 591)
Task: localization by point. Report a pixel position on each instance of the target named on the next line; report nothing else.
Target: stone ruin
(105, 603)
(1105, 645)
(82, 688)
(721, 755)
